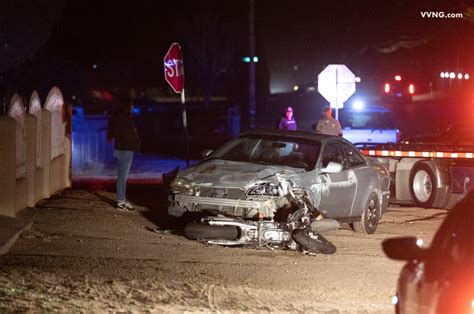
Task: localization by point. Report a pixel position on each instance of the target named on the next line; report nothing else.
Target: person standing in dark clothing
(122, 130)
(288, 122)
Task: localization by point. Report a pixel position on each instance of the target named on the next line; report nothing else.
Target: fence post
(8, 127)
(30, 128)
(46, 151)
(66, 172)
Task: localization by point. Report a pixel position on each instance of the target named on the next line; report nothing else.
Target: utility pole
(252, 105)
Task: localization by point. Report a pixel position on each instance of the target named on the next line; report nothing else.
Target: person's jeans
(124, 158)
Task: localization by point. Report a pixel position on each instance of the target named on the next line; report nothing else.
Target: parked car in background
(368, 124)
(248, 177)
(398, 89)
(439, 279)
(458, 133)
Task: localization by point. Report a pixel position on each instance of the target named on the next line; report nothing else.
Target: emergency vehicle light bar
(425, 154)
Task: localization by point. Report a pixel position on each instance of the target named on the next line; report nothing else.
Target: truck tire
(315, 243)
(423, 185)
(370, 216)
(207, 232)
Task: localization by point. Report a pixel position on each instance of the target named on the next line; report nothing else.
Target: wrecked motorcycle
(300, 231)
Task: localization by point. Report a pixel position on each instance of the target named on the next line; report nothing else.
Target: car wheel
(423, 185)
(208, 232)
(313, 242)
(370, 216)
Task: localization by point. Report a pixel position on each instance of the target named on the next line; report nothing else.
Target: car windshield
(367, 120)
(272, 150)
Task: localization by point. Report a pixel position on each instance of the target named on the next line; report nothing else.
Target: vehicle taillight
(411, 89)
(387, 88)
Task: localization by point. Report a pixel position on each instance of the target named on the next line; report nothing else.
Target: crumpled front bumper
(181, 203)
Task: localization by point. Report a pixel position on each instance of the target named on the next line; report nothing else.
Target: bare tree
(210, 48)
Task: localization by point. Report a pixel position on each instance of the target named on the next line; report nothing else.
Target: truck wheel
(313, 242)
(208, 232)
(423, 185)
(370, 216)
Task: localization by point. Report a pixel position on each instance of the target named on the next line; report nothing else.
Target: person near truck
(288, 122)
(122, 130)
(328, 125)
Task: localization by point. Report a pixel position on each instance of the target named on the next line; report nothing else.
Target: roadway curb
(10, 230)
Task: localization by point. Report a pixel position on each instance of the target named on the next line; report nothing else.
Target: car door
(338, 189)
(365, 178)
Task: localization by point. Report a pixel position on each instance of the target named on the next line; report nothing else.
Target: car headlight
(183, 185)
(268, 189)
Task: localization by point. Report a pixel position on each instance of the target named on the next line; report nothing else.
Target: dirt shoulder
(82, 255)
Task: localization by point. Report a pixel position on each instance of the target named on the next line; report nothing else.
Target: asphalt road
(83, 255)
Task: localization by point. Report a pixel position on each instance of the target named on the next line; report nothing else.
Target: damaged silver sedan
(252, 176)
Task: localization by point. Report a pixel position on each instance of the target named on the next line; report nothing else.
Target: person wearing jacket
(122, 130)
(288, 122)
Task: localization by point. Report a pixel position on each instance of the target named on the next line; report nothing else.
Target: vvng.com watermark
(440, 15)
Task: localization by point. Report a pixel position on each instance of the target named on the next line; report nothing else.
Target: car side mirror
(332, 167)
(206, 153)
(403, 249)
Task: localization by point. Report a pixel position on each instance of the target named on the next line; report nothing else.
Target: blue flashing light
(136, 111)
(246, 59)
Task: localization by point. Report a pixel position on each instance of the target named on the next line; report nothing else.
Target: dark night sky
(296, 39)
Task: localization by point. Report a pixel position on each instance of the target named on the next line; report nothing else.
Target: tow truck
(430, 171)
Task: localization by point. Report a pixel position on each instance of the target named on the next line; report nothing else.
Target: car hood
(223, 173)
(426, 138)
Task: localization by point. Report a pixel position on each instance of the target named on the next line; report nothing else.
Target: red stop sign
(174, 68)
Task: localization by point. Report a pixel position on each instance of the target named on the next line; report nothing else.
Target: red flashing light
(411, 89)
(387, 88)
(398, 78)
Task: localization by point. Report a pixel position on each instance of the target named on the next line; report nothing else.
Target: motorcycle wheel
(315, 243)
(207, 232)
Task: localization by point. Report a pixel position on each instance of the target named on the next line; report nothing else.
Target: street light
(466, 76)
(441, 74)
(452, 75)
(459, 76)
(247, 59)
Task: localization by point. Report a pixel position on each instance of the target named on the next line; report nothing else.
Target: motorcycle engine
(273, 233)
